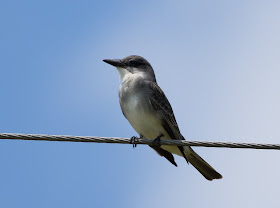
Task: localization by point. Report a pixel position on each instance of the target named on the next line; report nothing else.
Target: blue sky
(218, 63)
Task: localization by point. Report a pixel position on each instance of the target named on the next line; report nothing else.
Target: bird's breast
(140, 114)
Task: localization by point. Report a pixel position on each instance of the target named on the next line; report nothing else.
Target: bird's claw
(157, 141)
(134, 140)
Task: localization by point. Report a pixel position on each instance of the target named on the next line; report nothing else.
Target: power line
(64, 138)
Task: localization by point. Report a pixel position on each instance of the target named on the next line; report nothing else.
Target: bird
(145, 106)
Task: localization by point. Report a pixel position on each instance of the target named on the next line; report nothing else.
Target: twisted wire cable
(66, 138)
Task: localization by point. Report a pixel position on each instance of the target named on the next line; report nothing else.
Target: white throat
(126, 75)
(123, 73)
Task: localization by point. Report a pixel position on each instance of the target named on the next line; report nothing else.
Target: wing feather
(160, 103)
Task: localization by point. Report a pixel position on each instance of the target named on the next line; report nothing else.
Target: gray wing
(160, 103)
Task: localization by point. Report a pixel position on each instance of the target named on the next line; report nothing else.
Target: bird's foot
(157, 140)
(134, 140)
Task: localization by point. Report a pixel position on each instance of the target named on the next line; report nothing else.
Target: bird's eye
(133, 62)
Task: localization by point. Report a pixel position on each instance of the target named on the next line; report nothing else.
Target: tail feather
(201, 165)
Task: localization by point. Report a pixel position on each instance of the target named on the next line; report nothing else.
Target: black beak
(114, 62)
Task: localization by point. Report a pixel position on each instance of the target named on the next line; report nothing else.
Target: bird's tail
(202, 166)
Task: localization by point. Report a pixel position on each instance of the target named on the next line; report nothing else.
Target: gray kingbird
(147, 109)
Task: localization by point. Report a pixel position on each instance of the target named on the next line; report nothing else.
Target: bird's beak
(114, 62)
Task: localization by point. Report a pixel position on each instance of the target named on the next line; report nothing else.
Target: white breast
(146, 124)
(142, 119)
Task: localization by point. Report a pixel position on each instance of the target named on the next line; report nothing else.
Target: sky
(217, 61)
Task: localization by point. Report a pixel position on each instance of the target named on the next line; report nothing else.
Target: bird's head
(129, 65)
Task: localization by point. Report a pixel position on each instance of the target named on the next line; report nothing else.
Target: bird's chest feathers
(141, 118)
(137, 109)
(135, 106)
